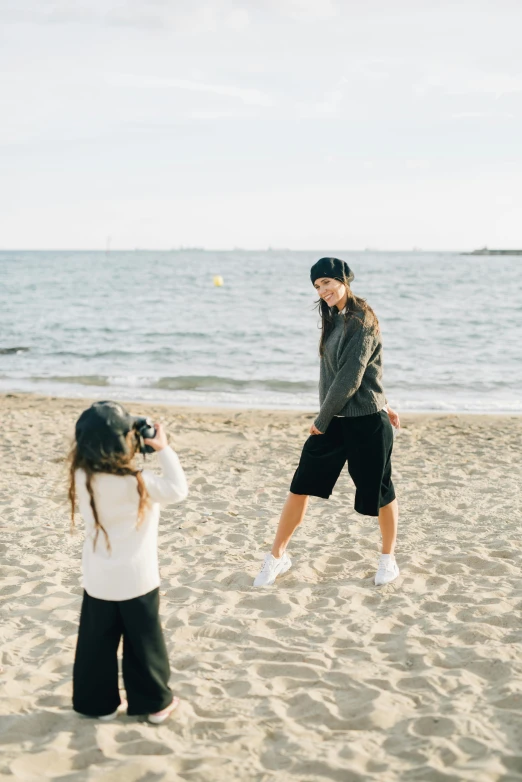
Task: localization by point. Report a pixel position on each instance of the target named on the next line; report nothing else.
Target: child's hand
(159, 442)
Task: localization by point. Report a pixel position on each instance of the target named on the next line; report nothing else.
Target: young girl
(353, 424)
(120, 506)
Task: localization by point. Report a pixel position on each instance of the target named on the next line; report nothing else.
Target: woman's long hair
(113, 463)
(356, 309)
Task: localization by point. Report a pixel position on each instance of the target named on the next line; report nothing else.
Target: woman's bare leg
(292, 515)
(388, 521)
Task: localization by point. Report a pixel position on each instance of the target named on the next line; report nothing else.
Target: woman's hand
(394, 417)
(159, 442)
(314, 430)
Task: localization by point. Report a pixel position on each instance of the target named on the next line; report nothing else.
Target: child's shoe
(110, 717)
(161, 716)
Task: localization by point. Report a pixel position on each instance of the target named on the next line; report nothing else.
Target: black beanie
(331, 267)
(102, 430)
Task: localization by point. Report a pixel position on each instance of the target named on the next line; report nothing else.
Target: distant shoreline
(485, 251)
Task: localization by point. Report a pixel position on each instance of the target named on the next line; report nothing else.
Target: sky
(303, 124)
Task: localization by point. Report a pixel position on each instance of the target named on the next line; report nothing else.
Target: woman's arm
(352, 365)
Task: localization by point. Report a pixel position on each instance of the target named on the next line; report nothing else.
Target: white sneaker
(109, 717)
(272, 568)
(387, 571)
(161, 716)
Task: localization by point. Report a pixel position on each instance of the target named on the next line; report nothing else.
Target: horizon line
(189, 248)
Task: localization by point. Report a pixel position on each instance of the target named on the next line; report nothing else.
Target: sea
(152, 326)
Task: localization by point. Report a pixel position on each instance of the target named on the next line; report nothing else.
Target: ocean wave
(204, 383)
(292, 397)
(215, 382)
(80, 380)
(448, 388)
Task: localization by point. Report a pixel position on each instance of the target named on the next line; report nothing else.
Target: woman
(353, 424)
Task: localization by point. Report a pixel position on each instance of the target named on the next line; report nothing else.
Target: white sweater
(130, 569)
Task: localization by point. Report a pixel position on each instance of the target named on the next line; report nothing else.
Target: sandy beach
(322, 677)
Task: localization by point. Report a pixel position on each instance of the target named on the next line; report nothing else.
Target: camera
(145, 430)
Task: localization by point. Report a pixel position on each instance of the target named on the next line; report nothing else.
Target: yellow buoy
(218, 281)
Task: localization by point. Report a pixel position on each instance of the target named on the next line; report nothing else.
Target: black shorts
(366, 443)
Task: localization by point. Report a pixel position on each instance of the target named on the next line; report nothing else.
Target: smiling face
(331, 291)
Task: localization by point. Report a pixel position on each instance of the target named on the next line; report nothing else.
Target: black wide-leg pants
(365, 443)
(145, 668)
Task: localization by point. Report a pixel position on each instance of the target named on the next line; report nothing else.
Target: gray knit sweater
(350, 382)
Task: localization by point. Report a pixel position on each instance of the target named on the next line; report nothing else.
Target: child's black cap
(102, 429)
(331, 267)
